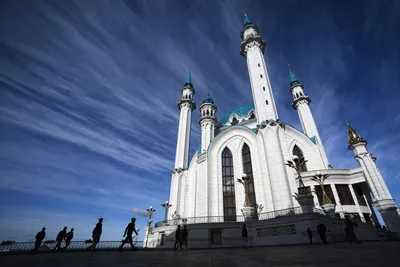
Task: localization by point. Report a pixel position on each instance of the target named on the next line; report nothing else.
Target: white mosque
(251, 139)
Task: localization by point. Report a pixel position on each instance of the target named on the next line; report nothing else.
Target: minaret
(383, 200)
(301, 103)
(207, 122)
(186, 105)
(252, 48)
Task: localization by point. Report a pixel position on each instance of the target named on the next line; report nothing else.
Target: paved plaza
(368, 254)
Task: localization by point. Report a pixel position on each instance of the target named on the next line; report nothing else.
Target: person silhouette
(128, 233)
(322, 232)
(309, 233)
(39, 238)
(244, 235)
(96, 235)
(178, 238)
(350, 235)
(185, 237)
(60, 237)
(68, 238)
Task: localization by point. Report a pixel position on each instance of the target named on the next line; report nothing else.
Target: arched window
(228, 186)
(266, 102)
(252, 116)
(297, 152)
(247, 169)
(208, 112)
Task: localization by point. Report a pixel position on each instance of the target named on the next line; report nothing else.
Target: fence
(223, 219)
(74, 245)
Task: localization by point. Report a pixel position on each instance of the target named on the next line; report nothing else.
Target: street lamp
(166, 206)
(150, 210)
(137, 230)
(176, 217)
(297, 164)
(148, 231)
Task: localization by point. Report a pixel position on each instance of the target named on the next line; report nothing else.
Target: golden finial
(353, 135)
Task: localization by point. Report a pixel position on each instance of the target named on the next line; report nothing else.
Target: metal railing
(221, 219)
(74, 245)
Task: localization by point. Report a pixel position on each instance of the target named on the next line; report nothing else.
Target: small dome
(241, 111)
(208, 99)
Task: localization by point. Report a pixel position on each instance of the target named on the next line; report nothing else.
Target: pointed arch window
(234, 121)
(228, 186)
(248, 169)
(297, 152)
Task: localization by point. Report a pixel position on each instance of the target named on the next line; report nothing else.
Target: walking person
(350, 235)
(322, 232)
(244, 235)
(39, 238)
(60, 237)
(185, 237)
(68, 238)
(178, 238)
(309, 233)
(96, 235)
(128, 233)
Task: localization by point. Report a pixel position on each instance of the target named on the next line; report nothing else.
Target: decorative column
(304, 196)
(339, 208)
(248, 210)
(353, 194)
(327, 204)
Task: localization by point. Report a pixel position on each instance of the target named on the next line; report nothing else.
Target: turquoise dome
(241, 111)
(208, 99)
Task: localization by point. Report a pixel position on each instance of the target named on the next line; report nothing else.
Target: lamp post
(176, 217)
(150, 210)
(148, 231)
(166, 206)
(327, 204)
(137, 230)
(297, 164)
(248, 210)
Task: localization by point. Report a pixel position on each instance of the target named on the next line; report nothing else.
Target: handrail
(74, 245)
(239, 218)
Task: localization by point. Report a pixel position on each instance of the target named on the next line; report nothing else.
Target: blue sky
(88, 114)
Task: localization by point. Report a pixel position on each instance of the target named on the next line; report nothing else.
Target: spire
(293, 81)
(353, 135)
(188, 82)
(246, 19)
(292, 77)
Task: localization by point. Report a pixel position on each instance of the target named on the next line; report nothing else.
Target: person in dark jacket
(39, 238)
(60, 237)
(350, 235)
(96, 234)
(69, 237)
(322, 232)
(185, 237)
(178, 238)
(244, 235)
(128, 233)
(309, 233)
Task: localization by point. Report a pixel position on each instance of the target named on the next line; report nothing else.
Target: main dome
(240, 111)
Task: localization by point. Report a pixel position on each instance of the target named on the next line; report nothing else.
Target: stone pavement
(368, 254)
